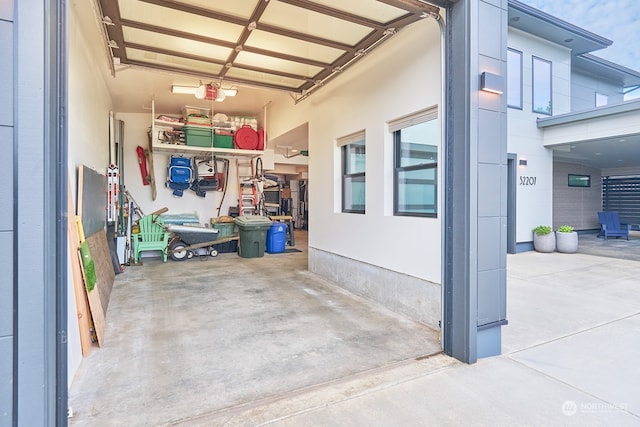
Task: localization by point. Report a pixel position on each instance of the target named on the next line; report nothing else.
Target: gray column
(39, 212)
(475, 168)
(6, 217)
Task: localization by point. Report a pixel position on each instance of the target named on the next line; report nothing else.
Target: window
(416, 140)
(353, 172)
(575, 180)
(514, 79)
(542, 86)
(601, 99)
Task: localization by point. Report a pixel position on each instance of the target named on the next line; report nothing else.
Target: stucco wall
(376, 90)
(89, 102)
(89, 105)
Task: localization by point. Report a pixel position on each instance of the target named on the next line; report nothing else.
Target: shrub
(565, 229)
(541, 230)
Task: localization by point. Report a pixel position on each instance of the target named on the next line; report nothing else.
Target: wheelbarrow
(188, 241)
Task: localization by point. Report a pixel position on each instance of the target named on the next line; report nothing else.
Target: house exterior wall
(606, 126)
(535, 180)
(584, 88)
(576, 206)
(372, 93)
(6, 219)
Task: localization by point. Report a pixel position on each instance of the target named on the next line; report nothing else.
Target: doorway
(512, 175)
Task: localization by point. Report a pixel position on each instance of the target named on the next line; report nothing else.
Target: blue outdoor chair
(610, 225)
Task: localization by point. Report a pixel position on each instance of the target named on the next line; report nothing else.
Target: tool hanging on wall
(179, 174)
(113, 190)
(142, 162)
(223, 179)
(148, 152)
(205, 176)
(258, 182)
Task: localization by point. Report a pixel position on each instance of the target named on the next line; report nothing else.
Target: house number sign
(528, 180)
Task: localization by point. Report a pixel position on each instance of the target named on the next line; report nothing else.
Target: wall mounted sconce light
(491, 83)
(522, 162)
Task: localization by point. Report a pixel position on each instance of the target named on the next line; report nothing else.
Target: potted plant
(544, 240)
(566, 239)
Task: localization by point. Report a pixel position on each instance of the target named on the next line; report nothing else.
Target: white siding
(535, 202)
(584, 88)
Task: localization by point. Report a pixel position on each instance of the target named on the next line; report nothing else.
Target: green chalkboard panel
(92, 200)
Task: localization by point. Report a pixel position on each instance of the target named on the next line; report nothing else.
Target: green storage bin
(198, 136)
(222, 140)
(253, 235)
(225, 229)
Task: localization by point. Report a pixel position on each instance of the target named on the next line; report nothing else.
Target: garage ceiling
(291, 45)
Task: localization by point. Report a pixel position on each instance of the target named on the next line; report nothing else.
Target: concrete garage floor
(191, 340)
(570, 357)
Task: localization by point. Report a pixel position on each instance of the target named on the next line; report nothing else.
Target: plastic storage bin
(225, 229)
(253, 235)
(277, 238)
(227, 247)
(198, 136)
(223, 139)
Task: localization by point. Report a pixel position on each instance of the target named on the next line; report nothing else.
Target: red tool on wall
(142, 162)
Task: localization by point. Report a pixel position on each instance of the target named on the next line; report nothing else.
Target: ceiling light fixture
(184, 90)
(191, 90)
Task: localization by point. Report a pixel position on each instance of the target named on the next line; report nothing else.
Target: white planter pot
(545, 243)
(567, 242)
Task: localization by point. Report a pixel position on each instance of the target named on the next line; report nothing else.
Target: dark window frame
(533, 86)
(397, 170)
(350, 177)
(577, 180)
(521, 77)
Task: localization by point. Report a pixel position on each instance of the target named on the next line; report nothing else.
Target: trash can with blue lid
(277, 238)
(252, 231)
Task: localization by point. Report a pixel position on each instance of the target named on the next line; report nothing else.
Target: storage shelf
(164, 123)
(190, 150)
(180, 125)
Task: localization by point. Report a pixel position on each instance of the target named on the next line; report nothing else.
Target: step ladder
(247, 196)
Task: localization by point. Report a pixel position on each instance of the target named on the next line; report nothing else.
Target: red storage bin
(246, 138)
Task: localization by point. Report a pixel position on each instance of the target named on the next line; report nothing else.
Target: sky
(616, 20)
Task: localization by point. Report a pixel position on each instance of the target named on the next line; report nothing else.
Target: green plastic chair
(152, 237)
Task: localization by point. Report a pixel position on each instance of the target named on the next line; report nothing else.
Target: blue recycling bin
(276, 238)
